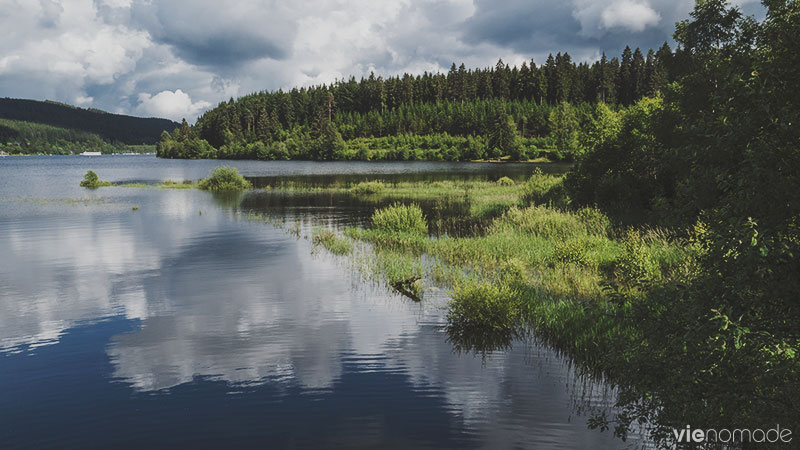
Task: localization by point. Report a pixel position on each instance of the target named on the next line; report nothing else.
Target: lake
(183, 325)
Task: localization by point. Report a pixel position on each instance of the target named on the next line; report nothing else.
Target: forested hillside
(501, 111)
(18, 137)
(114, 128)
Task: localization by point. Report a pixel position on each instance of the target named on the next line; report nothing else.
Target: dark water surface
(181, 325)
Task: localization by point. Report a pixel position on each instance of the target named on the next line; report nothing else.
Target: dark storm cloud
(225, 48)
(222, 34)
(582, 28)
(522, 25)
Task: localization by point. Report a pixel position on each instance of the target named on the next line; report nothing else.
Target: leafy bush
(505, 181)
(628, 168)
(367, 188)
(544, 189)
(400, 218)
(637, 265)
(91, 181)
(225, 178)
(595, 221)
(571, 251)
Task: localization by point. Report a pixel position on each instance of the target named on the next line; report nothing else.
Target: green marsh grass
(333, 242)
(537, 263)
(185, 184)
(368, 188)
(167, 184)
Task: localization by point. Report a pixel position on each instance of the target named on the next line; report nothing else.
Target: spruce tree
(504, 139)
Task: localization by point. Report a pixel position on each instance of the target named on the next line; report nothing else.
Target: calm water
(181, 325)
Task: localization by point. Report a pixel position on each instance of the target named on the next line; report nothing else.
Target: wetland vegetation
(666, 260)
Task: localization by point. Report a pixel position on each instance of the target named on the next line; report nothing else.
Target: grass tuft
(400, 218)
(225, 178)
(368, 188)
(335, 244)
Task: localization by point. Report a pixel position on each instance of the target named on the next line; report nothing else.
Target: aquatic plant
(367, 188)
(185, 184)
(91, 181)
(225, 178)
(400, 218)
(481, 307)
(335, 244)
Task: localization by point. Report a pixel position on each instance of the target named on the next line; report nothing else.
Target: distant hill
(113, 127)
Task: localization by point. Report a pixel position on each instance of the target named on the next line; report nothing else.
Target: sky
(178, 58)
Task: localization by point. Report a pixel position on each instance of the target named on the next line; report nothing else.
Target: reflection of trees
(228, 199)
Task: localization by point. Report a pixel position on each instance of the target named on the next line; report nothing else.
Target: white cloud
(629, 14)
(82, 100)
(598, 18)
(175, 105)
(59, 50)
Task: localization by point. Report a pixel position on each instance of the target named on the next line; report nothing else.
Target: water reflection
(168, 327)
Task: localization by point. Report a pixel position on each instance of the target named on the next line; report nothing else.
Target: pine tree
(624, 87)
(551, 78)
(653, 74)
(452, 83)
(638, 76)
(504, 139)
(463, 84)
(185, 131)
(500, 80)
(563, 76)
(564, 128)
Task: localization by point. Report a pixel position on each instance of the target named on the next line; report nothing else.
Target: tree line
(462, 103)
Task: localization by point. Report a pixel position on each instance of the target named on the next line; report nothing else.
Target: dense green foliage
(719, 153)
(501, 111)
(224, 178)
(111, 127)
